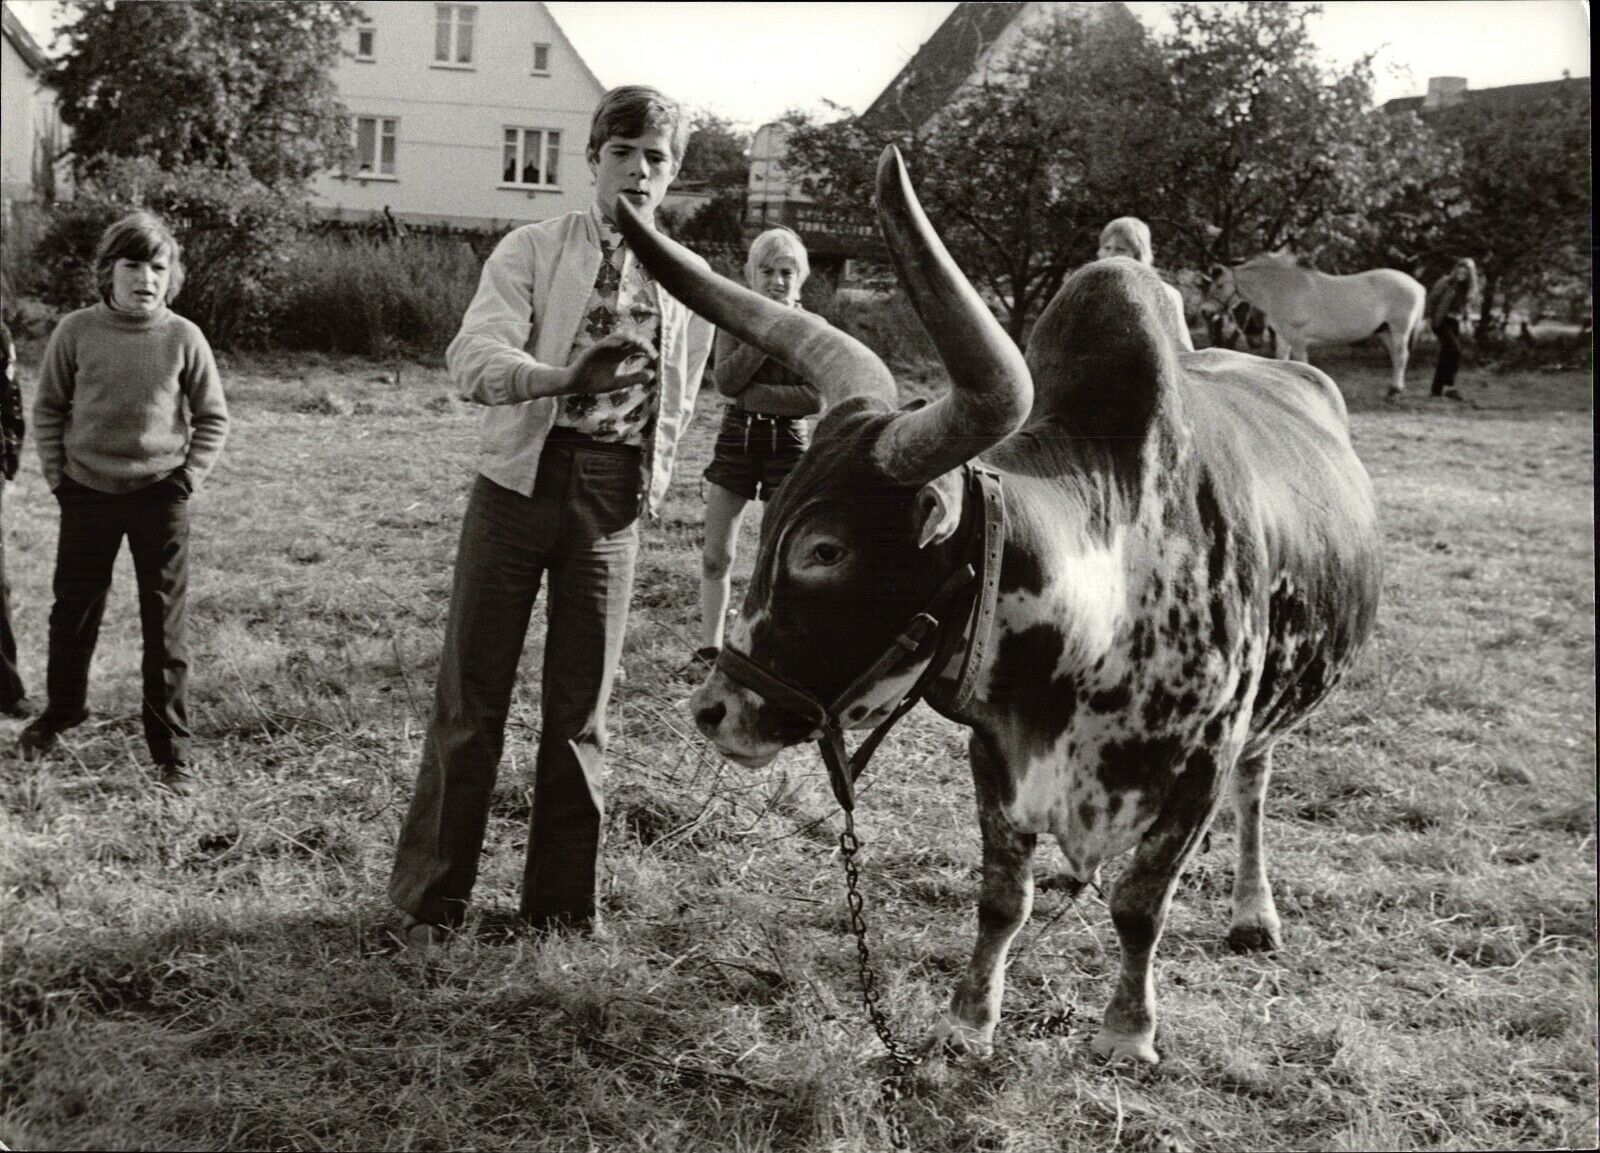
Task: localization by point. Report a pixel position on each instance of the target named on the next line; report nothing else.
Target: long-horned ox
(1190, 563)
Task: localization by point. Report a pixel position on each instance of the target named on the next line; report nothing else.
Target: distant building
(466, 114)
(771, 188)
(1453, 92)
(31, 135)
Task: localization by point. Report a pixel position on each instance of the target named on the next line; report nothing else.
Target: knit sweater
(125, 400)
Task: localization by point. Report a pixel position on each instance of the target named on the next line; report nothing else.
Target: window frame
(519, 142)
(371, 32)
(453, 13)
(537, 71)
(379, 120)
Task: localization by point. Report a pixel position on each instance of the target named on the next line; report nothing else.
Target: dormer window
(454, 25)
(541, 59)
(366, 38)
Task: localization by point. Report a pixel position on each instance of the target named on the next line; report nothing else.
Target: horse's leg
(1399, 353)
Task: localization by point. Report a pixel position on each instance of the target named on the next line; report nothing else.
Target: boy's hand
(597, 370)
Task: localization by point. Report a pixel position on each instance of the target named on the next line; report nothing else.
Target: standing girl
(1448, 302)
(129, 419)
(763, 430)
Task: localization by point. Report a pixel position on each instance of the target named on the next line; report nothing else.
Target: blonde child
(1130, 236)
(128, 420)
(763, 428)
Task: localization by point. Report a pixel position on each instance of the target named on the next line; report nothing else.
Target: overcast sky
(752, 62)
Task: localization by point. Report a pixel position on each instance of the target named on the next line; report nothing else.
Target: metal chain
(892, 1089)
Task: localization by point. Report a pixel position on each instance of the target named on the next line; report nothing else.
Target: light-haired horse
(1306, 307)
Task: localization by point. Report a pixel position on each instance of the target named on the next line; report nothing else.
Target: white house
(31, 135)
(772, 187)
(465, 114)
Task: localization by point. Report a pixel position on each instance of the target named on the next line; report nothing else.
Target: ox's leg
(1139, 907)
(1255, 926)
(1004, 903)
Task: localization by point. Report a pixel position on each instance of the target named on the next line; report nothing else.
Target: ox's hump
(1101, 356)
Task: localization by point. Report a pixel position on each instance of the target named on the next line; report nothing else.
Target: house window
(452, 33)
(541, 59)
(375, 137)
(531, 158)
(365, 36)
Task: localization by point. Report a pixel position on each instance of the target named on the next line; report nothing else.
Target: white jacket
(537, 281)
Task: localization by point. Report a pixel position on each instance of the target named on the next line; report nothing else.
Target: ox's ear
(939, 509)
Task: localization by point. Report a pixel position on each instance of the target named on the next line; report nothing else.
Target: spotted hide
(1190, 564)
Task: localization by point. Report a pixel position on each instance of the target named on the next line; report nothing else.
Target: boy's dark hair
(633, 110)
(137, 236)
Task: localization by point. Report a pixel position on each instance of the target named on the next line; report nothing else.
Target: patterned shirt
(623, 300)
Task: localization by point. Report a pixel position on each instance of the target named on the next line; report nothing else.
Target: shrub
(20, 273)
(354, 293)
(236, 234)
(885, 323)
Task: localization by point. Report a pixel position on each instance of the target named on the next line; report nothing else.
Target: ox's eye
(826, 553)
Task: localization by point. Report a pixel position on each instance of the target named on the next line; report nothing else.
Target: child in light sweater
(128, 420)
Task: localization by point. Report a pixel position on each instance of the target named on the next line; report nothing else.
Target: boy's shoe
(703, 658)
(177, 778)
(39, 735)
(1452, 394)
(21, 707)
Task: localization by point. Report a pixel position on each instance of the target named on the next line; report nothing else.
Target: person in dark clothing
(1448, 302)
(13, 694)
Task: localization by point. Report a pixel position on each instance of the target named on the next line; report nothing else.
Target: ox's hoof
(1136, 1047)
(1255, 938)
(959, 1041)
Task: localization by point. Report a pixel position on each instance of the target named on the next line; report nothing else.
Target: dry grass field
(216, 973)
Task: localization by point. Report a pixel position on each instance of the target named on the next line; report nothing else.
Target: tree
(1021, 169)
(223, 85)
(1272, 149)
(1525, 173)
(715, 153)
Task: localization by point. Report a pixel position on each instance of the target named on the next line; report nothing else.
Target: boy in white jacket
(578, 440)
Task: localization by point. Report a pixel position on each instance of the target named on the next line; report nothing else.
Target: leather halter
(962, 610)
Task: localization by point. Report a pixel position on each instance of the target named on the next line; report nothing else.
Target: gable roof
(22, 40)
(1503, 98)
(931, 77)
(570, 46)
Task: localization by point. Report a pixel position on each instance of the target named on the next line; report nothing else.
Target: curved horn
(991, 391)
(837, 363)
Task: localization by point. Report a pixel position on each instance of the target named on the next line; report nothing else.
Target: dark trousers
(1444, 372)
(12, 689)
(579, 529)
(156, 522)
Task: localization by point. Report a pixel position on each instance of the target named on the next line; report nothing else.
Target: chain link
(892, 1090)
